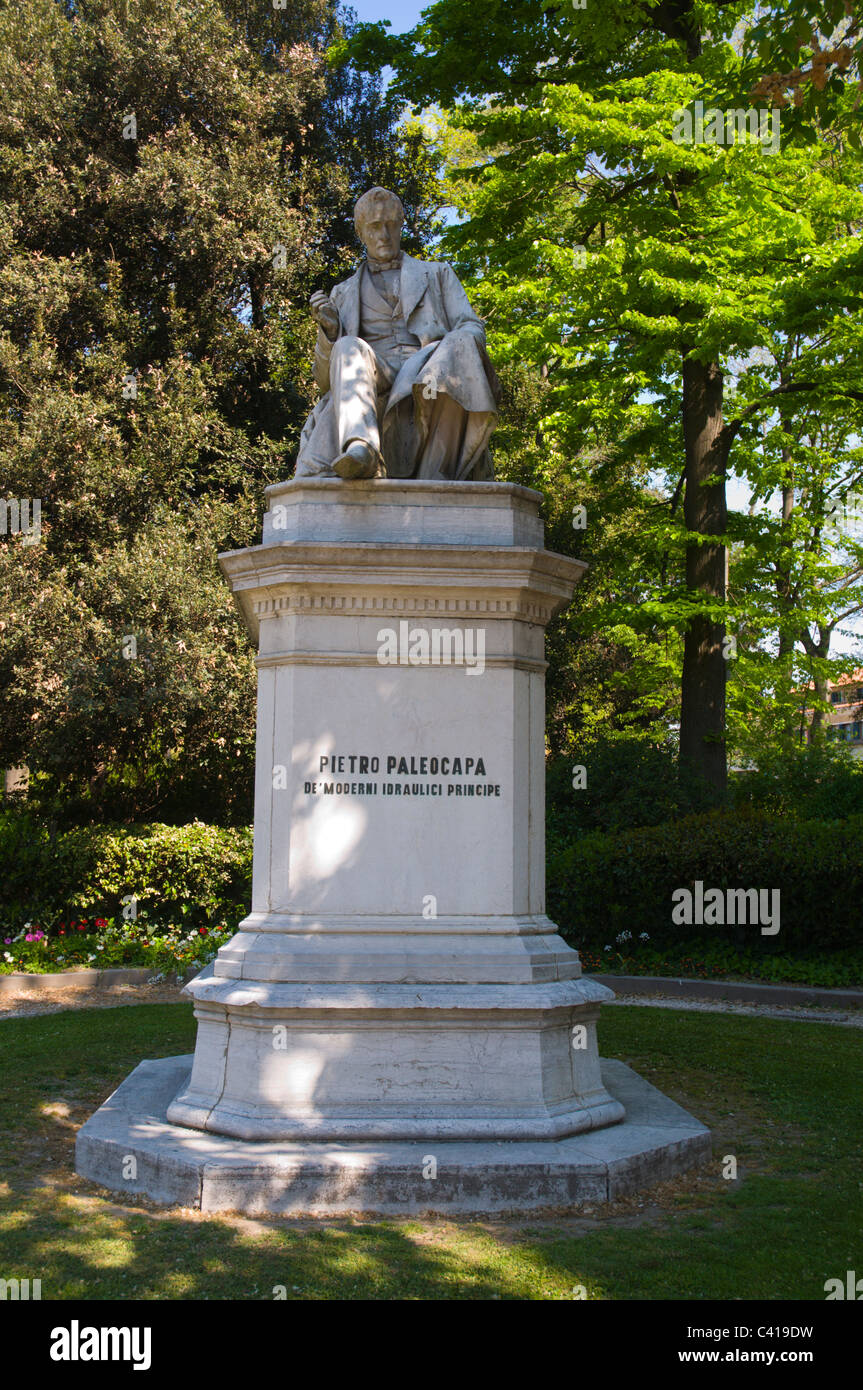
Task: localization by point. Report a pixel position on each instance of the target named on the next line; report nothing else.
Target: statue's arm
(459, 312)
(326, 314)
(323, 350)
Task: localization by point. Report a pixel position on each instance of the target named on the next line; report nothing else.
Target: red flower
(62, 931)
(82, 926)
(100, 922)
(202, 931)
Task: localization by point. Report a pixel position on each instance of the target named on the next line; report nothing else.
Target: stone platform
(178, 1166)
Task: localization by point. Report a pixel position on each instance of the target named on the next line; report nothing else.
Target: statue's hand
(325, 313)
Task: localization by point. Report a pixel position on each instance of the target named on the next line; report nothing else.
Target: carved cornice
(420, 606)
(511, 583)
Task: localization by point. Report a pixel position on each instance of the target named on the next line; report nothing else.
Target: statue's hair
(377, 199)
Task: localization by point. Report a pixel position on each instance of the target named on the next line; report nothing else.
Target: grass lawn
(783, 1097)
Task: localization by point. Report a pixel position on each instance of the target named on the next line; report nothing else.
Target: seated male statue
(409, 391)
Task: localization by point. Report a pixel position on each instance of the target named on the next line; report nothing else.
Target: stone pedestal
(397, 977)
(397, 983)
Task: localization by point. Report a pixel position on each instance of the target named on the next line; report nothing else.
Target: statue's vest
(382, 326)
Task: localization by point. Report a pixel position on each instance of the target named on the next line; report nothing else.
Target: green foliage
(626, 783)
(155, 366)
(810, 782)
(120, 731)
(559, 129)
(698, 959)
(807, 54)
(191, 876)
(607, 884)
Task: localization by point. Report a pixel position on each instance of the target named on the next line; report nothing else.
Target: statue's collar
(375, 266)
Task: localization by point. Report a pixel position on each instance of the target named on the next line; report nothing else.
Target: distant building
(844, 719)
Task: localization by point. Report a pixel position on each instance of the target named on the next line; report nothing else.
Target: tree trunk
(702, 716)
(817, 652)
(783, 569)
(817, 723)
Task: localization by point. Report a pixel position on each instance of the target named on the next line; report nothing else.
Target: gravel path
(55, 1001)
(845, 1018)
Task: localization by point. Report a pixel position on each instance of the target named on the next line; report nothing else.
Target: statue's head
(379, 217)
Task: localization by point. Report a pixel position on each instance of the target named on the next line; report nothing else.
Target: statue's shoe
(358, 461)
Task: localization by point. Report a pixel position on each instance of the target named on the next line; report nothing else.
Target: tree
(695, 255)
(169, 172)
(798, 569)
(811, 50)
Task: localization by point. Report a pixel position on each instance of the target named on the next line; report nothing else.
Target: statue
(409, 391)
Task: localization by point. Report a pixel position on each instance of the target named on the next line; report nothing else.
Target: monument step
(177, 1166)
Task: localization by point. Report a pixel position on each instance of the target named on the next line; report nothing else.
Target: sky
(402, 14)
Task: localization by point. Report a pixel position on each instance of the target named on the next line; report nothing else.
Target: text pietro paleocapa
(401, 766)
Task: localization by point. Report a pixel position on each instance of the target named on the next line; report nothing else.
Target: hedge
(178, 875)
(605, 883)
(599, 885)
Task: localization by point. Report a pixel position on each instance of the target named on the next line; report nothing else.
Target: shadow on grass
(782, 1097)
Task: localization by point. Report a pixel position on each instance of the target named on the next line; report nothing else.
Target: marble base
(178, 1166)
(394, 1061)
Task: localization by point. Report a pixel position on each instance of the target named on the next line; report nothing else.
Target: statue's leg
(455, 441)
(318, 443)
(357, 377)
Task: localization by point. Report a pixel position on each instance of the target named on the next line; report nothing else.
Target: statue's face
(382, 235)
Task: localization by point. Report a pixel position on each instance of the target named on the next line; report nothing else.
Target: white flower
(100, 948)
(60, 960)
(606, 948)
(624, 936)
(8, 955)
(643, 936)
(91, 957)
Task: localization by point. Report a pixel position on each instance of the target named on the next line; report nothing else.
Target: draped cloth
(413, 379)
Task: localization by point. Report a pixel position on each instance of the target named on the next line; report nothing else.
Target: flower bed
(109, 943)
